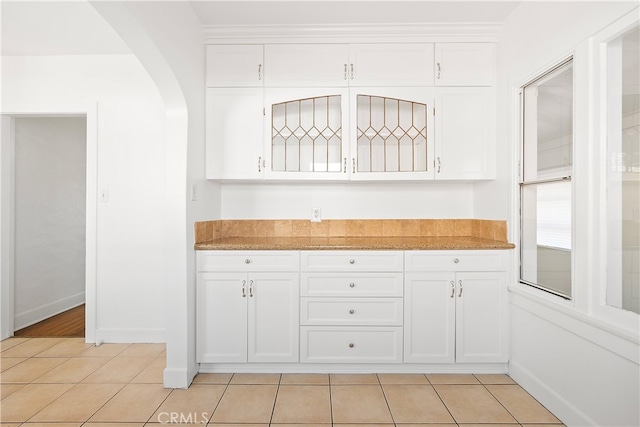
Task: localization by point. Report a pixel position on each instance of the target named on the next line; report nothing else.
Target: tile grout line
(275, 400)
(385, 399)
(226, 387)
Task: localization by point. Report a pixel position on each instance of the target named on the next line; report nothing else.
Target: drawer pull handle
(352, 261)
(456, 260)
(351, 345)
(247, 261)
(352, 285)
(352, 311)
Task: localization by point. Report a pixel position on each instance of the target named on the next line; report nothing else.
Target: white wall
(167, 39)
(131, 249)
(348, 201)
(585, 372)
(50, 188)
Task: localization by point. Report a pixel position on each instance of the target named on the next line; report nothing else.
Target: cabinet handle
(352, 285)
(438, 164)
(456, 260)
(353, 165)
(345, 71)
(453, 289)
(259, 71)
(244, 294)
(460, 284)
(344, 166)
(251, 288)
(352, 311)
(260, 164)
(351, 71)
(352, 261)
(439, 69)
(351, 345)
(247, 261)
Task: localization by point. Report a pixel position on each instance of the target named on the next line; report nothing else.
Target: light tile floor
(63, 382)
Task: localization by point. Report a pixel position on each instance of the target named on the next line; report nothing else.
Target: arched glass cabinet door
(392, 133)
(307, 133)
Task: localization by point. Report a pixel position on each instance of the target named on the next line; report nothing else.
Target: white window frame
(538, 179)
(589, 261)
(596, 165)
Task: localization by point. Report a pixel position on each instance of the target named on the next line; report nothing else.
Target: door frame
(7, 221)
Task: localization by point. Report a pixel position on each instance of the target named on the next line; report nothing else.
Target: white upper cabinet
(360, 111)
(391, 64)
(306, 65)
(465, 133)
(234, 138)
(375, 64)
(465, 64)
(234, 65)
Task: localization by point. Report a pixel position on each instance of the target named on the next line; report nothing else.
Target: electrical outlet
(316, 214)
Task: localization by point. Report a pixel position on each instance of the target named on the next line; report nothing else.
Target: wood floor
(67, 324)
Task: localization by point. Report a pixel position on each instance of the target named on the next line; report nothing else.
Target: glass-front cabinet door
(359, 134)
(392, 133)
(307, 133)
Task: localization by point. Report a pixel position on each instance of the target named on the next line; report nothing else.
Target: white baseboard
(38, 314)
(560, 407)
(111, 335)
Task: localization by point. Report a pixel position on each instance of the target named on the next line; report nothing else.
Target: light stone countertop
(353, 243)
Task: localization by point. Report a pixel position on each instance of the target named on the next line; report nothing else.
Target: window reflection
(623, 171)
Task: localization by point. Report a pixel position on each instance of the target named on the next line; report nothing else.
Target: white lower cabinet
(419, 308)
(455, 316)
(246, 316)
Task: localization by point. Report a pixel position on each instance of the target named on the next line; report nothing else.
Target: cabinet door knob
(352, 285)
(351, 345)
(352, 311)
(456, 260)
(352, 261)
(247, 261)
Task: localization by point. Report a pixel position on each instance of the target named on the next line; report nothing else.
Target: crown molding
(479, 32)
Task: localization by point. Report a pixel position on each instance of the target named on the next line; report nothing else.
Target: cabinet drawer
(344, 344)
(352, 261)
(351, 285)
(455, 260)
(247, 260)
(351, 311)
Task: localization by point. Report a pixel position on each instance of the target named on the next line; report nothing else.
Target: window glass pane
(548, 128)
(623, 171)
(546, 236)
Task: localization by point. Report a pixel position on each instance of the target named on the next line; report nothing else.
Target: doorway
(49, 225)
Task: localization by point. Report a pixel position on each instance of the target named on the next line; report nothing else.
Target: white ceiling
(54, 27)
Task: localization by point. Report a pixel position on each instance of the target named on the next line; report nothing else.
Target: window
(622, 124)
(546, 187)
